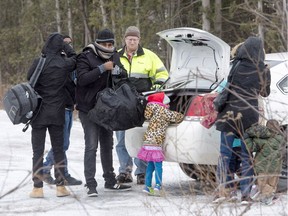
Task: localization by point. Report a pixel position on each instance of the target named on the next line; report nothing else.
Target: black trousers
(93, 134)
(38, 146)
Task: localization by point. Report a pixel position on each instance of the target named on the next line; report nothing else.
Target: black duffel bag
(119, 108)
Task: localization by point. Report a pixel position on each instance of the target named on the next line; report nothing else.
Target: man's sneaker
(124, 178)
(267, 200)
(233, 196)
(91, 191)
(219, 199)
(141, 179)
(69, 180)
(254, 193)
(246, 200)
(148, 190)
(48, 179)
(117, 187)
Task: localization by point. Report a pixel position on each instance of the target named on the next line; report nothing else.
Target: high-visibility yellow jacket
(145, 69)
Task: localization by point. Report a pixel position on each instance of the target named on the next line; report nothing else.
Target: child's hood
(158, 97)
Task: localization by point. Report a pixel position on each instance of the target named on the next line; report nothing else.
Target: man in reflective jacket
(147, 72)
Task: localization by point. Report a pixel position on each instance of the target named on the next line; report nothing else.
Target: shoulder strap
(37, 71)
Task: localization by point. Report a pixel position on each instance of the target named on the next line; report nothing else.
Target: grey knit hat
(132, 31)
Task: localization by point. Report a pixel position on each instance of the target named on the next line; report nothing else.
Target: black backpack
(22, 102)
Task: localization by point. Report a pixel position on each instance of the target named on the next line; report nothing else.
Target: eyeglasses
(130, 40)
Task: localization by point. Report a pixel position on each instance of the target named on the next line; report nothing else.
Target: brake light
(196, 107)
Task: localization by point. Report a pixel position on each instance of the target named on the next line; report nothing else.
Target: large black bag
(119, 108)
(22, 102)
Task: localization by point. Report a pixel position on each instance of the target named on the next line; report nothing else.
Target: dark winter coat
(238, 115)
(268, 145)
(70, 88)
(90, 80)
(50, 84)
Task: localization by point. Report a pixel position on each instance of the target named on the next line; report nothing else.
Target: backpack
(119, 108)
(22, 102)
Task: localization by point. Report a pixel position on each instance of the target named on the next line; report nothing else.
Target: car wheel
(203, 173)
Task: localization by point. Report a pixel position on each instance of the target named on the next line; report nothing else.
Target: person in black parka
(247, 83)
(95, 67)
(70, 87)
(248, 78)
(51, 116)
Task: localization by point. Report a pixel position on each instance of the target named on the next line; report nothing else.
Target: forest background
(24, 25)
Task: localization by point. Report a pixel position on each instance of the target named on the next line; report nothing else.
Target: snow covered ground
(183, 196)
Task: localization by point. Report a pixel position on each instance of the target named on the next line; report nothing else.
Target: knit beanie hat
(159, 97)
(105, 36)
(132, 31)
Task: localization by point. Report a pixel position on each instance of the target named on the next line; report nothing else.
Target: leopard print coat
(160, 117)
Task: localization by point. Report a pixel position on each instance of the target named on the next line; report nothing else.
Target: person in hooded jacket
(94, 73)
(249, 77)
(267, 142)
(51, 116)
(70, 86)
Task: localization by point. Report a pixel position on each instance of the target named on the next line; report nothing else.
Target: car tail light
(196, 107)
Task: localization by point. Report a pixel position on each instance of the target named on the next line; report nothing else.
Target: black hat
(105, 36)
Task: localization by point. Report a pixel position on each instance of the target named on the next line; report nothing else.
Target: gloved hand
(156, 87)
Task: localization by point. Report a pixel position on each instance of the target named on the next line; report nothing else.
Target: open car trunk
(199, 59)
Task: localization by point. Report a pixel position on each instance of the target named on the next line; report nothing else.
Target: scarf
(101, 51)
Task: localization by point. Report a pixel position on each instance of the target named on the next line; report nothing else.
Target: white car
(199, 60)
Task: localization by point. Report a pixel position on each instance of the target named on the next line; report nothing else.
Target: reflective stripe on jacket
(145, 65)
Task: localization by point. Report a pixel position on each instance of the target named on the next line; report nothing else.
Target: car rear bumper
(187, 142)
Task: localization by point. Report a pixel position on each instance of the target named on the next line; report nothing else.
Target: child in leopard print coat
(157, 111)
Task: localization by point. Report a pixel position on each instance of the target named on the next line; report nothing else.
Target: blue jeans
(234, 166)
(49, 160)
(151, 166)
(93, 134)
(126, 164)
(223, 170)
(247, 171)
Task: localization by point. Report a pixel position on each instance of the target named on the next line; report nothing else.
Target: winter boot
(261, 182)
(223, 194)
(37, 193)
(61, 191)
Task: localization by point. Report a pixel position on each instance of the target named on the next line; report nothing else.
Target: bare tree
(104, 14)
(205, 19)
(285, 21)
(260, 23)
(282, 12)
(87, 33)
(58, 20)
(113, 19)
(69, 21)
(137, 6)
(218, 15)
